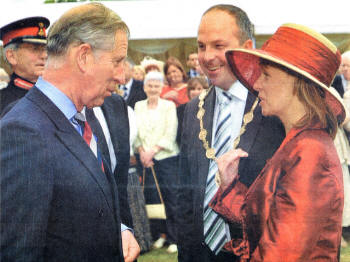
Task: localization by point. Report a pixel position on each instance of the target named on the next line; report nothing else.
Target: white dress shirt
(237, 105)
(101, 118)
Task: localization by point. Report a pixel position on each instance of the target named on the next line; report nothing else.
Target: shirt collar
(236, 90)
(57, 97)
(128, 84)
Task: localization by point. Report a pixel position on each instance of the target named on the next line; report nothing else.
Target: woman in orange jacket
(293, 210)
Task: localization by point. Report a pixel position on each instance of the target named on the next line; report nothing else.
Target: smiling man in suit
(212, 123)
(59, 199)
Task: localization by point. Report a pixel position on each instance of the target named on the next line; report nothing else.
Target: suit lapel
(131, 93)
(112, 123)
(247, 139)
(203, 168)
(72, 140)
(98, 131)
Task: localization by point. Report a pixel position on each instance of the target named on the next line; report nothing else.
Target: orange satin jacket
(293, 210)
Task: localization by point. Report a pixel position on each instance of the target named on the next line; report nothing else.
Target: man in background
(192, 63)
(132, 89)
(25, 50)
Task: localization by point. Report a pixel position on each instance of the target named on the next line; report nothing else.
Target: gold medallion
(200, 113)
(41, 29)
(202, 134)
(209, 151)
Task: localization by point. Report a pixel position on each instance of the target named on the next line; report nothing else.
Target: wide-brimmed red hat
(299, 49)
(30, 30)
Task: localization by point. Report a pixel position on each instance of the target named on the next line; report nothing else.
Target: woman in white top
(155, 142)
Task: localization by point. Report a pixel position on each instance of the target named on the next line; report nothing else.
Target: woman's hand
(228, 166)
(146, 158)
(171, 95)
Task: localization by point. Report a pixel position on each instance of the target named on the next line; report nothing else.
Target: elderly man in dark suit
(132, 89)
(112, 130)
(224, 117)
(59, 198)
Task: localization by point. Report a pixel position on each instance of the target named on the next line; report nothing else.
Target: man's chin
(39, 70)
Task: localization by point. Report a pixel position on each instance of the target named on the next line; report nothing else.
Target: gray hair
(91, 23)
(346, 54)
(13, 46)
(154, 75)
(246, 27)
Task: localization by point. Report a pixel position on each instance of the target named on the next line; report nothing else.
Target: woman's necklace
(209, 151)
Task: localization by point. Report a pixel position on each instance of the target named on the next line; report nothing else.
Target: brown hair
(312, 98)
(317, 110)
(173, 61)
(193, 81)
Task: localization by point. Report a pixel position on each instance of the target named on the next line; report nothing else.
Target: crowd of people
(248, 149)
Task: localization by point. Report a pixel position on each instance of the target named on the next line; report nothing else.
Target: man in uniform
(25, 50)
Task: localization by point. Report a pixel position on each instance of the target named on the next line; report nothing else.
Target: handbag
(154, 211)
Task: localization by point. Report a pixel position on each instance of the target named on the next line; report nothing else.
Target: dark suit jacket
(338, 85)
(56, 203)
(116, 114)
(261, 139)
(136, 93)
(11, 93)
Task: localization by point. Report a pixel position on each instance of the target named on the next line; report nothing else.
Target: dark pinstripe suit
(56, 203)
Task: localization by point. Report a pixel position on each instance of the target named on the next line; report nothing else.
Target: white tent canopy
(157, 19)
(163, 28)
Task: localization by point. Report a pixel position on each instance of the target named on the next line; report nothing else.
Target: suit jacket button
(100, 212)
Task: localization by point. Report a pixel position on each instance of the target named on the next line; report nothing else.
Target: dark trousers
(201, 253)
(166, 172)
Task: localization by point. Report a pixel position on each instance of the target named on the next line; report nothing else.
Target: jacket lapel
(252, 128)
(209, 104)
(112, 123)
(132, 92)
(71, 139)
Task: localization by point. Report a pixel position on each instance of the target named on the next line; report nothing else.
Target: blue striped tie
(214, 226)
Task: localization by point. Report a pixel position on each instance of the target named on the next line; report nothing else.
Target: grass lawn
(344, 254)
(158, 255)
(161, 255)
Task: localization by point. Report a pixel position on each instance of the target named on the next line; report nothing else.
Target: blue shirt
(64, 104)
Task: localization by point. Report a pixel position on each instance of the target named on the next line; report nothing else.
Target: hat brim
(244, 64)
(35, 41)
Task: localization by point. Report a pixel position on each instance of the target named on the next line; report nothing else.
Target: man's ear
(248, 44)
(84, 57)
(11, 56)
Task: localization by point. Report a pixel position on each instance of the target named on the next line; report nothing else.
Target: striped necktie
(89, 137)
(125, 91)
(214, 226)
